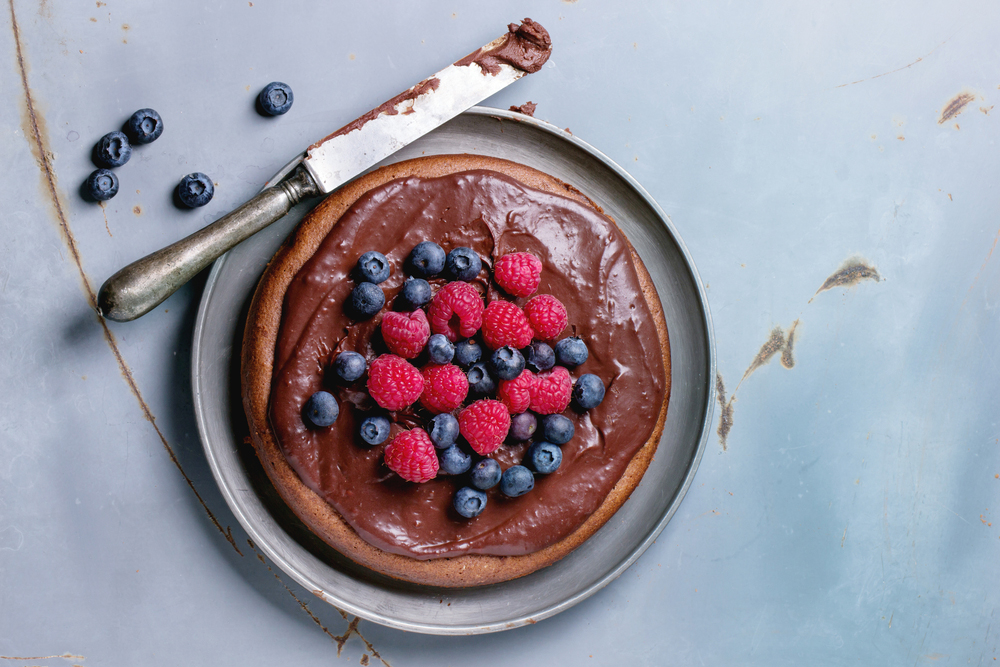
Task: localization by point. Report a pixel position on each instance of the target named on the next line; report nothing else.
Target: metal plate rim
(469, 629)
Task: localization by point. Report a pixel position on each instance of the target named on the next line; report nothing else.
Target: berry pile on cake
(510, 382)
(455, 370)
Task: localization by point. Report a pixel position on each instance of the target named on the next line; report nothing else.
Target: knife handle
(145, 283)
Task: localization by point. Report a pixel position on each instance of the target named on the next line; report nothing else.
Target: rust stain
(726, 416)
(101, 4)
(104, 210)
(777, 342)
(851, 273)
(774, 344)
(987, 110)
(352, 626)
(955, 106)
(137, 210)
(64, 656)
(92, 20)
(364, 659)
(787, 360)
(38, 142)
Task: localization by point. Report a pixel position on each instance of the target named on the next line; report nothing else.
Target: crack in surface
(353, 621)
(38, 145)
(898, 69)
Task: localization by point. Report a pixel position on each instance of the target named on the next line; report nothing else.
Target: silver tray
(215, 374)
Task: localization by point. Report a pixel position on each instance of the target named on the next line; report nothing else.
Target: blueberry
(557, 429)
(463, 264)
(373, 267)
(523, 426)
(469, 502)
(415, 293)
(349, 366)
(454, 461)
(374, 429)
(195, 190)
(571, 351)
(113, 150)
(467, 352)
(440, 349)
(481, 383)
(102, 184)
(144, 126)
(276, 98)
(539, 356)
(588, 391)
(516, 481)
(507, 363)
(544, 457)
(366, 300)
(426, 259)
(321, 409)
(443, 430)
(485, 474)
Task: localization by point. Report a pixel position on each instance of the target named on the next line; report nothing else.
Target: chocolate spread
(586, 264)
(528, 108)
(526, 46)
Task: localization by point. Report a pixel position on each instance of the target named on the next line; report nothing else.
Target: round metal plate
(222, 424)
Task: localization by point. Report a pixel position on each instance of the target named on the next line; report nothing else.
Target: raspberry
(484, 425)
(393, 382)
(456, 311)
(516, 393)
(405, 334)
(518, 273)
(551, 391)
(445, 387)
(411, 455)
(505, 324)
(547, 316)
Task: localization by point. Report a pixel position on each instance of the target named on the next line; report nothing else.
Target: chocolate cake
(340, 487)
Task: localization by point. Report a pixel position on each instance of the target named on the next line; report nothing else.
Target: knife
(329, 163)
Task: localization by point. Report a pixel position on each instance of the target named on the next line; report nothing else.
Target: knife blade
(329, 163)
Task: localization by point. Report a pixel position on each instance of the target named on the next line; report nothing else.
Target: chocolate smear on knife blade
(526, 47)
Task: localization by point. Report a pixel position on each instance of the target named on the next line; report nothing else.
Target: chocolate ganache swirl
(587, 265)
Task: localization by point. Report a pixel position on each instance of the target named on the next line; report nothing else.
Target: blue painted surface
(848, 520)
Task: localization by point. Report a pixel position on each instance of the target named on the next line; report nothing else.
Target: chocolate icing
(587, 265)
(526, 46)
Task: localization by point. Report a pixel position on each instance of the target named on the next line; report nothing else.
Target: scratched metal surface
(845, 518)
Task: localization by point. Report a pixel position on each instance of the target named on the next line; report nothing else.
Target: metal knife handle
(144, 284)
